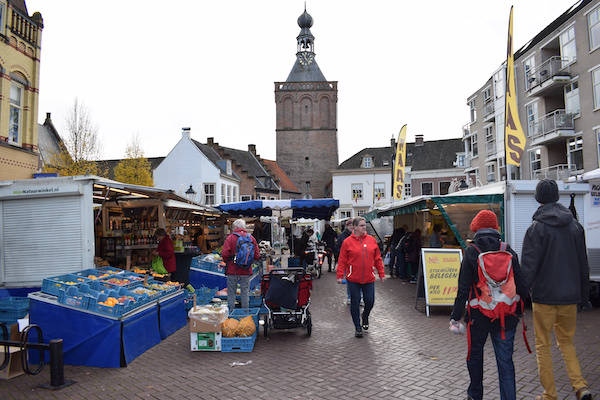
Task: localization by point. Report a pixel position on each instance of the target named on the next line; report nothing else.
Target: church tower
(306, 128)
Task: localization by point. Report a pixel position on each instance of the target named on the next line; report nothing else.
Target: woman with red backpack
(490, 284)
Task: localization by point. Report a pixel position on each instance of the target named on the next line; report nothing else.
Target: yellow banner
(440, 270)
(514, 138)
(399, 164)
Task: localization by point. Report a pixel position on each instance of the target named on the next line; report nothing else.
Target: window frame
(474, 145)
(528, 66)
(440, 187)
(407, 190)
(490, 140)
(207, 195)
(531, 118)
(427, 183)
(359, 188)
(223, 197)
(345, 213)
(19, 108)
(577, 148)
(596, 87)
(235, 193)
(375, 190)
(493, 173)
(535, 151)
(246, 197)
(595, 25)
(596, 130)
(472, 110)
(367, 162)
(568, 42)
(571, 90)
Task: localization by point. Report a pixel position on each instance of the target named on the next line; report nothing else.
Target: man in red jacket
(359, 257)
(234, 272)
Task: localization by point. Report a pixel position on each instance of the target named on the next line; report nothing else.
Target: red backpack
(495, 292)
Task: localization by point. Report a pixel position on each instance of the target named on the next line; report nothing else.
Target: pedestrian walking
(329, 239)
(359, 257)
(391, 248)
(338, 245)
(412, 253)
(555, 268)
(239, 251)
(484, 317)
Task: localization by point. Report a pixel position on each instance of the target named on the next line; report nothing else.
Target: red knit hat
(484, 219)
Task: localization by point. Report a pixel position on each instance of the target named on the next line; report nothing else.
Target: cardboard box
(14, 367)
(200, 326)
(205, 341)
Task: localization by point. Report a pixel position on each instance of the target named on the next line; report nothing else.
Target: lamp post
(463, 185)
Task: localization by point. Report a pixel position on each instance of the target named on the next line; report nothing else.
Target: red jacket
(359, 256)
(167, 253)
(228, 253)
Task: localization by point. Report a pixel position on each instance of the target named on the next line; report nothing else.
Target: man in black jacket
(487, 238)
(555, 267)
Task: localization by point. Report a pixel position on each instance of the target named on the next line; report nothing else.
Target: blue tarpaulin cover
(140, 333)
(171, 315)
(308, 208)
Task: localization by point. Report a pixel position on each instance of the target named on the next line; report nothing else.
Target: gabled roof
(109, 166)
(284, 180)
(252, 166)
(212, 155)
(434, 154)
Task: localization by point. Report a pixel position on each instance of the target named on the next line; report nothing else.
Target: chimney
(393, 144)
(419, 140)
(252, 148)
(48, 117)
(210, 141)
(185, 132)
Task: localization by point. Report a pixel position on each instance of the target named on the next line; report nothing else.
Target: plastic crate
(240, 313)
(136, 277)
(162, 287)
(114, 282)
(92, 274)
(112, 270)
(13, 308)
(116, 310)
(238, 344)
(54, 285)
(74, 297)
(152, 294)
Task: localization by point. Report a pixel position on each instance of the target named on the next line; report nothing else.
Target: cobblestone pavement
(405, 355)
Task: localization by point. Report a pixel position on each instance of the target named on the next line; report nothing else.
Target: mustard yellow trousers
(561, 320)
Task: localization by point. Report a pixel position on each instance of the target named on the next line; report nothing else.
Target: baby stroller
(286, 294)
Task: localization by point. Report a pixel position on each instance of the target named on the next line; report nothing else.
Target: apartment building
(558, 95)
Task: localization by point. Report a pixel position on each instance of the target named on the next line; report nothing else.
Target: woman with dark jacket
(487, 238)
(329, 239)
(412, 251)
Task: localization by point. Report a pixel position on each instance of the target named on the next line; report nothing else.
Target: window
(246, 198)
(346, 214)
(209, 193)
(529, 66)
(357, 191)
(568, 52)
(378, 191)
(572, 98)
(15, 116)
(532, 112)
(444, 186)
(491, 172)
(502, 168)
(273, 198)
(487, 95)
(472, 110)
(361, 212)
(499, 83)
(367, 162)
(426, 188)
(307, 186)
(235, 196)
(228, 167)
(407, 191)
(229, 200)
(596, 86)
(474, 147)
(535, 161)
(597, 134)
(263, 197)
(460, 160)
(594, 28)
(490, 140)
(223, 200)
(575, 146)
(2, 18)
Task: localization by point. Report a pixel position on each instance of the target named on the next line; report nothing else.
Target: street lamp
(463, 185)
(190, 191)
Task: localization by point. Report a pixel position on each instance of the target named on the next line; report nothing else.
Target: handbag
(157, 265)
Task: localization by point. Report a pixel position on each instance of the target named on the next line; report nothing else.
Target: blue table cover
(171, 315)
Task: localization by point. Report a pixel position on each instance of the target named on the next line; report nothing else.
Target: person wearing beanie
(555, 268)
(487, 238)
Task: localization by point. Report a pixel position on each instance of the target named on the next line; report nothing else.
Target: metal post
(57, 367)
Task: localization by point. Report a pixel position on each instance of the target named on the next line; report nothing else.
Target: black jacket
(485, 240)
(329, 238)
(340, 239)
(555, 265)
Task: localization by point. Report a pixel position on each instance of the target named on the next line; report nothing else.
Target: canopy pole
(450, 223)
(375, 230)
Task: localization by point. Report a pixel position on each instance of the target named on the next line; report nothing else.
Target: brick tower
(306, 129)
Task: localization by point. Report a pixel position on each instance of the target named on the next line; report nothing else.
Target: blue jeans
(400, 265)
(506, 369)
(232, 281)
(368, 295)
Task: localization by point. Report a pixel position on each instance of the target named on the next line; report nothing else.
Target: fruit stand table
(172, 315)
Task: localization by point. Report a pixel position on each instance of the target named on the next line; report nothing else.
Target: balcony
(551, 127)
(488, 112)
(549, 77)
(556, 172)
(467, 129)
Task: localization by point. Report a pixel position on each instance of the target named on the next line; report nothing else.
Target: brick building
(306, 127)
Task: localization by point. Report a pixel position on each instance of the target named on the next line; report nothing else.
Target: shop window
(357, 191)
(575, 147)
(427, 188)
(209, 193)
(444, 187)
(379, 191)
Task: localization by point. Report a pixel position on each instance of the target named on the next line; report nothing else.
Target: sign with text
(440, 273)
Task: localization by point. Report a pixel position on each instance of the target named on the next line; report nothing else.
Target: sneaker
(362, 303)
(413, 281)
(365, 324)
(584, 394)
(348, 302)
(358, 334)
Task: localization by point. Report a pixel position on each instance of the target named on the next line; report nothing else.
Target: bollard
(57, 366)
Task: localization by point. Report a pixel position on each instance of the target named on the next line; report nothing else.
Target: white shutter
(41, 238)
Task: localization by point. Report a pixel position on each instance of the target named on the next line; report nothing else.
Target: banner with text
(440, 272)
(399, 164)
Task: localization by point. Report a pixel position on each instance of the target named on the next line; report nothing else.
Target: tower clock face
(305, 58)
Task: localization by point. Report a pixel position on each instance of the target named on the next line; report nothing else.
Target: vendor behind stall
(165, 250)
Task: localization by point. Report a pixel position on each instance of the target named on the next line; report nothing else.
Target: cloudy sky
(151, 67)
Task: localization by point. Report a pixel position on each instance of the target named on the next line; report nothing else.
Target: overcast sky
(152, 67)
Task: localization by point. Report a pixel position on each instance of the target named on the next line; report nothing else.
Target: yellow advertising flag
(514, 138)
(399, 164)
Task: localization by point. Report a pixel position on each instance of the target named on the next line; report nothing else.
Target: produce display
(119, 281)
(242, 328)
(93, 277)
(112, 301)
(159, 286)
(230, 327)
(145, 290)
